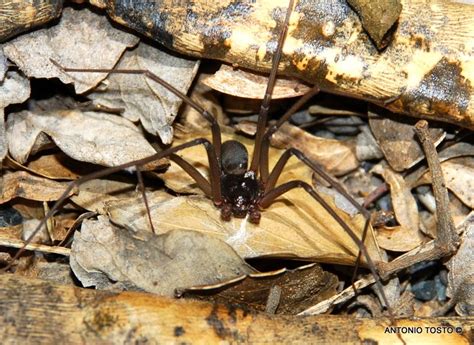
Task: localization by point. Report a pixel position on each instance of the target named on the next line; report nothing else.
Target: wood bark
(41, 312)
(427, 69)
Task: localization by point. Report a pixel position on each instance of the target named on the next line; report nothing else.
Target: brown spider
(235, 187)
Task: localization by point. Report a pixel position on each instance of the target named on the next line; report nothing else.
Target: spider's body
(241, 189)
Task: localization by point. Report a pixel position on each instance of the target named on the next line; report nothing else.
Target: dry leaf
(461, 271)
(459, 149)
(190, 118)
(98, 138)
(14, 88)
(241, 83)
(56, 166)
(300, 289)
(377, 18)
(336, 156)
(295, 226)
(94, 194)
(397, 138)
(143, 99)
(81, 39)
(459, 176)
(406, 236)
(102, 253)
(21, 184)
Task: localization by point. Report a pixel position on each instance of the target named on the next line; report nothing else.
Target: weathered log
(427, 70)
(20, 16)
(41, 312)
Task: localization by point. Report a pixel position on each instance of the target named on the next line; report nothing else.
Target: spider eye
(234, 157)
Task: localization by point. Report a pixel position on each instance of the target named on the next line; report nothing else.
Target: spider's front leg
(215, 186)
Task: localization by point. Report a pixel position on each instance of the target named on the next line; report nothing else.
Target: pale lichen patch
(467, 69)
(421, 64)
(338, 65)
(328, 29)
(292, 45)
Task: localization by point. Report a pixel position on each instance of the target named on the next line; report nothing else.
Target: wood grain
(41, 312)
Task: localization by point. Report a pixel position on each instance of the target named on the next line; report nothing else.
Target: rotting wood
(425, 71)
(78, 315)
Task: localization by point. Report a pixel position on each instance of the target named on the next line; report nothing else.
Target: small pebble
(424, 290)
(9, 217)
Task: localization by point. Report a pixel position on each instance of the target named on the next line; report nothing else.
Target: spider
(235, 186)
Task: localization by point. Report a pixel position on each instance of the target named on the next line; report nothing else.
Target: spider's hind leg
(271, 193)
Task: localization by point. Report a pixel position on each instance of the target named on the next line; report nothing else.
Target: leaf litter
(103, 254)
(290, 226)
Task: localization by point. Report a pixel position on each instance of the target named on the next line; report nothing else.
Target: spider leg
(272, 129)
(145, 199)
(201, 181)
(214, 178)
(262, 117)
(276, 172)
(274, 193)
(215, 128)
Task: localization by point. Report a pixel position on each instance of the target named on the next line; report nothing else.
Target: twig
(447, 237)
(16, 243)
(445, 244)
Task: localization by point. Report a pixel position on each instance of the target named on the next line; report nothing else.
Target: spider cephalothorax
(241, 190)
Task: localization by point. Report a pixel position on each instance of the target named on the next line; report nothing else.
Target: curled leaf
(102, 254)
(92, 137)
(21, 184)
(143, 99)
(295, 226)
(406, 236)
(299, 289)
(459, 176)
(461, 271)
(76, 41)
(241, 83)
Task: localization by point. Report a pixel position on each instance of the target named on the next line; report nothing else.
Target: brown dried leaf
(300, 289)
(336, 156)
(21, 184)
(461, 271)
(377, 17)
(459, 176)
(98, 138)
(397, 139)
(14, 88)
(295, 226)
(102, 253)
(459, 149)
(242, 83)
(143, 99)
(190, 118)
(94, 194)
(56, 166)
(406, 236)
(77, 40)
